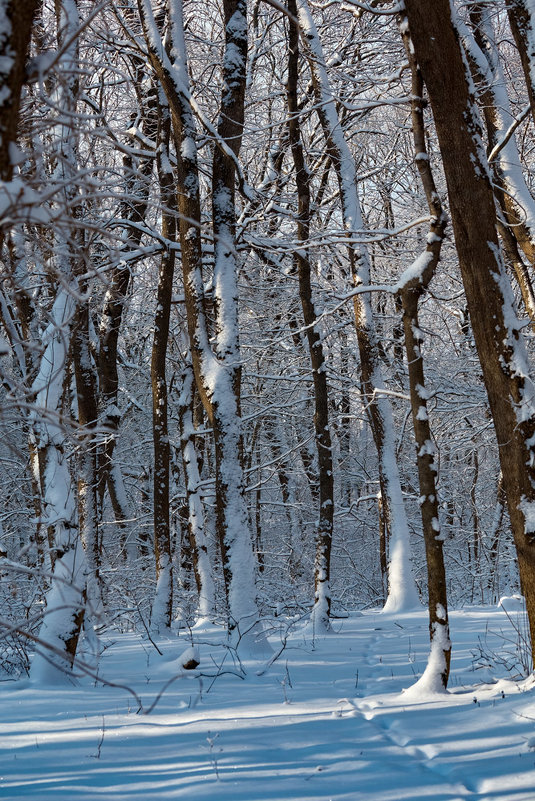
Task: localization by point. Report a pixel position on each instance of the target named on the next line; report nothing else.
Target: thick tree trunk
(488, 292)
(231, 515)
(65, 599)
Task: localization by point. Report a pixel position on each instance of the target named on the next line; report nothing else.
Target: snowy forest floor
(328, 720)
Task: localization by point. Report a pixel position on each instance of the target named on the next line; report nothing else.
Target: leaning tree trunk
(65, 599)
(489, 296)
(402, 593)
(322, 566)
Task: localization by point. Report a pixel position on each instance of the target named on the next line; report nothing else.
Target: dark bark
(14, 44)
(488, 292)
(522, 23)
(133, 211)
(315, 348)
(514, 231)
(163, 605)
(410, 295)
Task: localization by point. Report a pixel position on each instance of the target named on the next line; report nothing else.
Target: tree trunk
(412, 287)
(138, 173)
(162, 608)
(217, 370)
(511, 190)
(18, 17)
(491, 305)
(402, 594)
(522, 21)
(65, 599)
(196, 527)
(322, 565)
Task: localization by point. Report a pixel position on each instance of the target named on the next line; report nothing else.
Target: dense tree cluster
(267, 311)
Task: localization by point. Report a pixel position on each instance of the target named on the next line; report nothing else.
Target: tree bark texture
(19, 16)
(517, 229)
(162, 608)
(410, 293)
(522, 21)
(488, 292)
(322, 596)
(196, 526)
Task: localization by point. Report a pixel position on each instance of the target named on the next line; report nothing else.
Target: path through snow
(327, 721)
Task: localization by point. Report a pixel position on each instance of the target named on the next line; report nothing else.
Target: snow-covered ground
(328, 720)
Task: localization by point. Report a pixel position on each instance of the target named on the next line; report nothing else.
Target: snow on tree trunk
(412, 285)
(218, 370)
(86, 457)
(515, 199)
(197, 531)
(65, 608)
(402, 592)
(322, 565)
(65, 601)
(522, 21)
(137, 175)
(490, 300)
